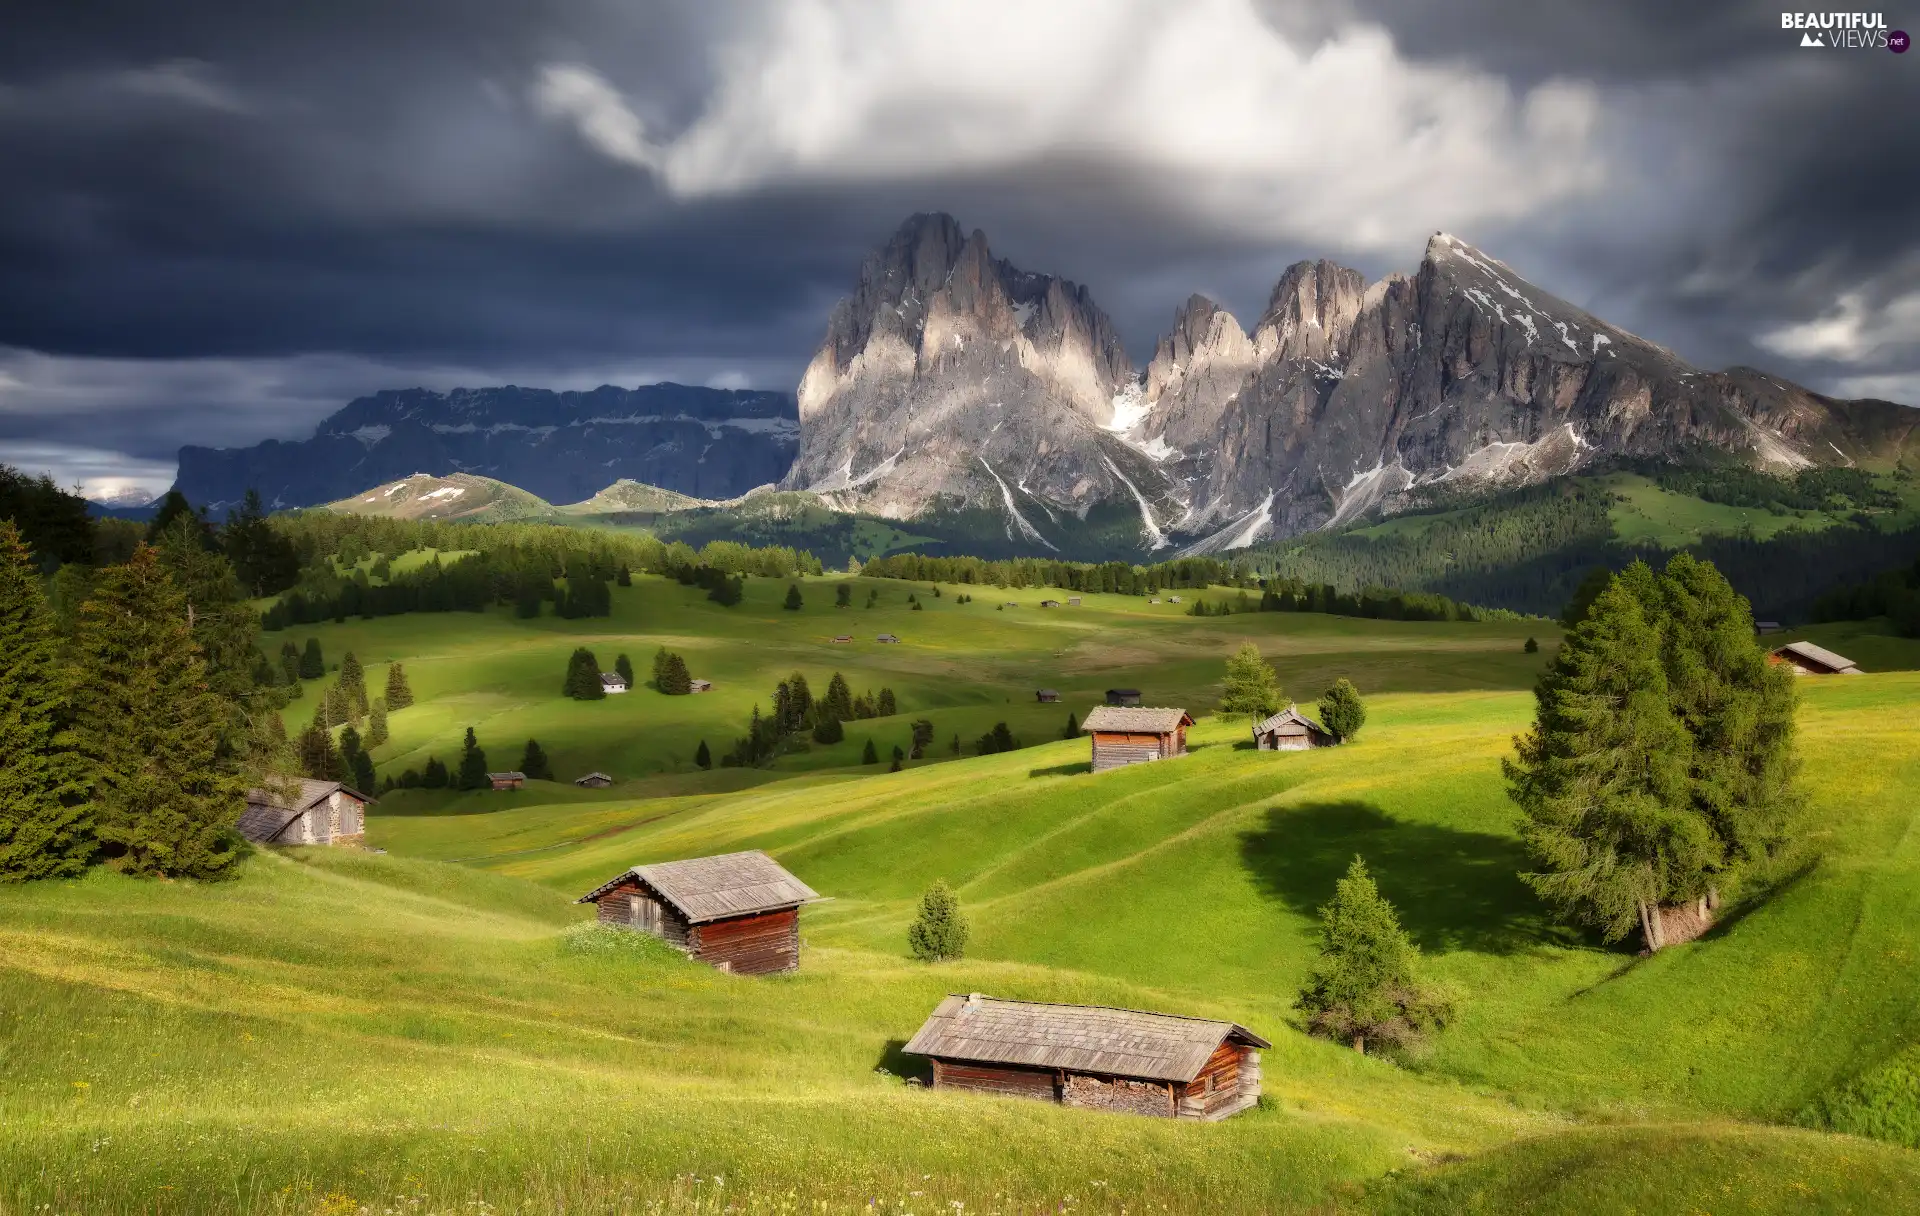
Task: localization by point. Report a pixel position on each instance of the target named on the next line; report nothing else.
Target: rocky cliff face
(952, 381)
(564, 447)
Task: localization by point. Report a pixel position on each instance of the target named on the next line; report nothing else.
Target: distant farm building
(1173, 599)
(843, 638)
(1046, 696)
(1123, 696)
(700, 686)
(612, 682)
(1073, 601)
(886, 637)
(1049, 603)
(312, 812)
(507, 781)
(594, 781)
(739, 912)
(1291, 731)
(1810, 660)
(1132, 735)
(1093, 1057)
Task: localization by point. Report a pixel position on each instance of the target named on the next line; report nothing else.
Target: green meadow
(429, 1029)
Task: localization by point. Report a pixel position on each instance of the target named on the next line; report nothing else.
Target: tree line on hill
(796, 715)
(1116, 578)
(1894, 594)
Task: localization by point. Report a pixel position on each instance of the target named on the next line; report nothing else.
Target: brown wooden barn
(594, 781)
(1092, 1056)
(317, 812)
(1291, 731)
(1123, 696)
(739, 912)
(1134, 735)
(1810, 660)
(507, 781)
(1046, 696)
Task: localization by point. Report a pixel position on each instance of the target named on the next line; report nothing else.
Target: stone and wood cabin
(1135, 735)
(1291, 731)
(841, 639)
(888, 638)
(318, 812)
(1810, 660)
(612, 682)
(739, 912)
(1046, 696)
(1092, 1056)
(507, 781)
(1123, 696)
(1049, 603)
(594, 781)
(1073, 601)
(699, 686)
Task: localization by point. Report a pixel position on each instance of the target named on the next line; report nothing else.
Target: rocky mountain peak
(1312, 308)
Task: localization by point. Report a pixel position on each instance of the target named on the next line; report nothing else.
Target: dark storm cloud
(220, 224)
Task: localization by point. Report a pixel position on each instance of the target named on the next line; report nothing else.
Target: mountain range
(969, 398)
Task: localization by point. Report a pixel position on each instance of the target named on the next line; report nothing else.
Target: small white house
(612, 682)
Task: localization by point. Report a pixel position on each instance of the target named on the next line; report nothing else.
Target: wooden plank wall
(1112, 749)
(761, 944)
(1005, 1080)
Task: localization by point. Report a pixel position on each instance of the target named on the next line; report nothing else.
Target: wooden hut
(1810, 660)
(1046, 696)
(612, 682)
(1049, 603)
(1133, 735)
(1093, 1056)
(1073, 601)
(313, 812)
(507, 781)
(739, 911)
(699, 686)
(1291, 731)
(594, 781)
(886, 637)
(1123, 696)
(842, 639)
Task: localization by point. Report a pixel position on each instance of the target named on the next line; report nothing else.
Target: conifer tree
(702, 757)
(793, 601)
(659, 669)
(1341, 710)
(939, 931)
(533, 762)
(399, 694)
(829, 731)
(624, 578)
(868, 755)
(376, 724)
(44, 831)
(839, 699)
(1252, 689)
(583, 677)
(1532, 646)
(623, 666)
(337, 706)
(1073, 727)
(353, 679)
(149, 728)
(885, 708)
(1602, 777)
(843, 596)
(675, 680)
(473, 764)
(314, 752)
(434, 776)
(290, 663)
(313, 665)
(1364, 986)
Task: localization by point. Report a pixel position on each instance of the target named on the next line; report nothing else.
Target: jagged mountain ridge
(702, 442)
(952, 381)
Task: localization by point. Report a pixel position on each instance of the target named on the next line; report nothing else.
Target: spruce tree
(829, 731)
(399, 694)
(1252, 689)
(660, 669)
(793, 601)
(843, 596)
(337, 705)
(314, 752)
(1073, 727)
(149, 728)
(675, 680)
(354, 680)
(1532, 646)
(868, 755)
(376, 724)
(473, 764)
(290, 663)
(839, 699)
(533, 762)
(623, 666)
(1602, 777)
(702, 757)
(885, 708)
(583, 677)
(434, 777)
(939, 932)
(1341, 710)
(1364, 987)
(44, 831)
(313, 665)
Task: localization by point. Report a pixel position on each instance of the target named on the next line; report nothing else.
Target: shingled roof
(1290, 714)
(1135, 719)
(1821, 655)
(715, 888)
(1078, 1038)
(309, 794)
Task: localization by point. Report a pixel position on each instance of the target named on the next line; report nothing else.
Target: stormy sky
(220, 220)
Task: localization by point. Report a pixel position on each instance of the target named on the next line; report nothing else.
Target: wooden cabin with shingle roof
(311, 812)
(1810, 660)
(1131, 734)
(738, 912)
(1291, 731)
(1093, 1056)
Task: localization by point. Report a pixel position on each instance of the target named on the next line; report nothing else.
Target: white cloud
(1344, 142)
(98, 473)
(1852, 331)
(1903, 387)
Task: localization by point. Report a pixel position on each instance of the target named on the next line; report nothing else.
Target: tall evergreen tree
(313, 665)
(659, 668)
(839, 699)
(399, 693)
(354, 680)
(702, 757)
(886, 707)
(264, 561)
(149, 728)
(533, 762)
(939, 931)
(376, 724)
(624, 667)
(1252, 688)
(1073, 727)
(473, 764)
(868, 755)
(1342, 711)
(1602, 778)
(434, 775)
(360, 774)
(1364, 987)
(793, 601)
(44, 831)
(314, 752)
(583, 677)
(675, 680)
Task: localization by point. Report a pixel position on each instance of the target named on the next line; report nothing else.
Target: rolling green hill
(425, 1030)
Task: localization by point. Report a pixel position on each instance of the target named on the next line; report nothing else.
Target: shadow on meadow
(1454, 890)
(1062, 770)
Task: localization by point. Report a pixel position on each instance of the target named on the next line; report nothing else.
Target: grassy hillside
(425, 1031)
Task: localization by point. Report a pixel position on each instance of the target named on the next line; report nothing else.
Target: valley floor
(427, 1030)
